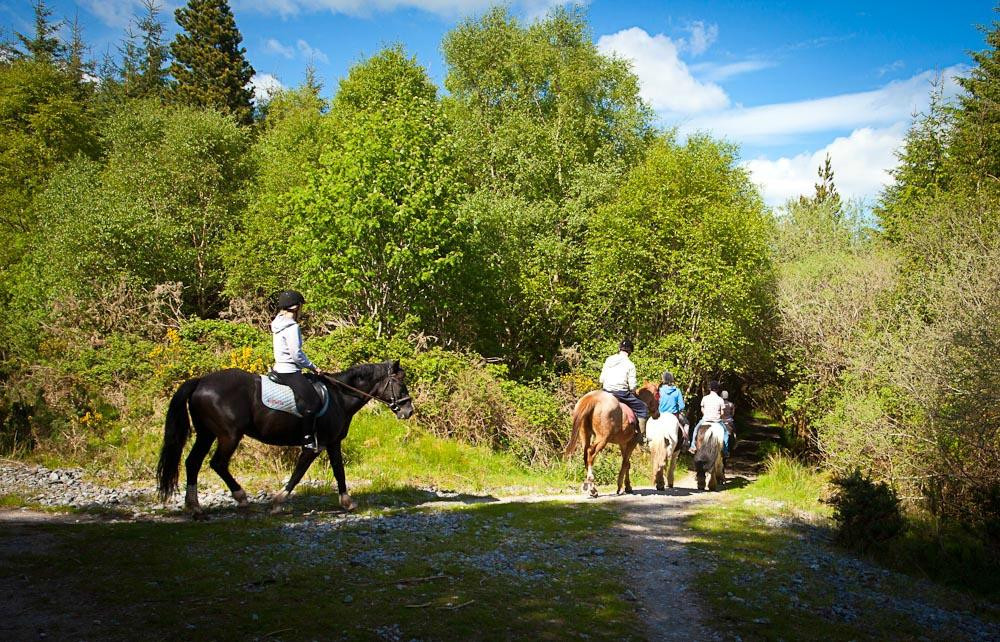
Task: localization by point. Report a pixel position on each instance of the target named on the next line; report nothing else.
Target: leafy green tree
(294, 132)
(375, 229)
(679, 261)
(533, 104)
(209, 67)
(157, 208)
(43, 123)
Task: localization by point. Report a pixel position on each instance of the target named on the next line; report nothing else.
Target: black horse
(226, 405)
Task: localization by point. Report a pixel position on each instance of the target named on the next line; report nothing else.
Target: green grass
(440, 578)
(772, 573)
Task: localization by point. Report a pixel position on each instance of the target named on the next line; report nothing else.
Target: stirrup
(312, 443)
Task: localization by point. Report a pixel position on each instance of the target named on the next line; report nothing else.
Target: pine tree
(153, 74)
(142, 69)
(825, 188)
(44, 46)
(976, 145)
(209, 66)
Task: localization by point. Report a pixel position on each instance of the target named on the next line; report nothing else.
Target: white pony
(708, 457)
(665, 442)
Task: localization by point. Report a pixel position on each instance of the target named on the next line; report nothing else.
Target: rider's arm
(294, 338)
(680, 400)
(631, 377)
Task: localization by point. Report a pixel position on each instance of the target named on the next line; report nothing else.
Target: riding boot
(311, 438)
(642, 432)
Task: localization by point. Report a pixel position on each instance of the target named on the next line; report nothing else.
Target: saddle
(278, 396)
(628, 415)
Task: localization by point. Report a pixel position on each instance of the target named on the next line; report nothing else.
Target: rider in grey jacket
(289, 360)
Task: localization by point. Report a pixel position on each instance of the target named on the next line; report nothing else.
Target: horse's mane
(370, 371)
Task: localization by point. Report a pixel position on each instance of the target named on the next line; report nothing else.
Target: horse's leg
(624, 471)
(588, 465)
(673, 463)
(306, 458)
(592, 451)
(220, 464)
(192, 465)
(337, 463)
(658, 456)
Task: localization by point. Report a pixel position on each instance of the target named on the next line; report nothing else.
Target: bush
(867, 513)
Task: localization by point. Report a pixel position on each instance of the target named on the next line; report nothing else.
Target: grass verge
(771, 572)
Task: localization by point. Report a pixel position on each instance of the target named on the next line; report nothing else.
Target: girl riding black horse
(226, 405)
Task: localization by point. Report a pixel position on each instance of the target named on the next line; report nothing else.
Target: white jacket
(618, 374)
(288, 355)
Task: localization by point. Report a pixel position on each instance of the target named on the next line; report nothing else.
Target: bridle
(394, 403)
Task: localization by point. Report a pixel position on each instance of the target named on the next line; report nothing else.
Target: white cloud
(701, 38)
(445, 8)
(717, 72)
(274, 46)
(264, 87)
(769, 124)
(311, 54)
(895, 65)
(665, 81)
(861, 164)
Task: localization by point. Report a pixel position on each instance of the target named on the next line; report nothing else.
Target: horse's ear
(395, 366)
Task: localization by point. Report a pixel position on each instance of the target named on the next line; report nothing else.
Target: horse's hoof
(347, 503)
(279, 497)
(660, 487)
(199, 516)
(278, 509)
(593, 492)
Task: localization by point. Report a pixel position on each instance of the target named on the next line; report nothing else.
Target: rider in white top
(618, 378)
(712, 407)
(289, 360)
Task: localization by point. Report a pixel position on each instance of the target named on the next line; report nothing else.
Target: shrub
(867, 513)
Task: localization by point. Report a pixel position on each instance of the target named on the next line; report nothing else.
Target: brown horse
(598, 420)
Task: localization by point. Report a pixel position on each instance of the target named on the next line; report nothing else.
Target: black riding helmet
(626, 345)
(290, 299)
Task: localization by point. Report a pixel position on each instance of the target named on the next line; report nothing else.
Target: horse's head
(394, 393)
(649, 393)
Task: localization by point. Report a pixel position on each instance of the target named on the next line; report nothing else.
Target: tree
(294, 133)
(923, 169)
(209, 66)
(534, 104)
(679, 261)
(43, 46)
(976, 145)
(374, 226)
(43, 122)
(157, 208)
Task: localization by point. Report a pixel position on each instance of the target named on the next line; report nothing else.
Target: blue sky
(787, 81)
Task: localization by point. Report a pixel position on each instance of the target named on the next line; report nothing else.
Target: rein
(394, 405)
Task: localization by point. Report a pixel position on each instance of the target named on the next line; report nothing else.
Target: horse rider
(729, 418)
(618, 379)
(289, 360)
(712, 406)
(672, 401)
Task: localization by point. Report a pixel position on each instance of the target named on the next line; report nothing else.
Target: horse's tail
(175, 434)
(710, 448)
(582, 416)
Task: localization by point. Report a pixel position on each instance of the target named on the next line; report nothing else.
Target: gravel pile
(66, 487)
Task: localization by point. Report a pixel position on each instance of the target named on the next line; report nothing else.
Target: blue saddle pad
(277, 396)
